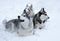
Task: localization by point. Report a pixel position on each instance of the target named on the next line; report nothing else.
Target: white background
(10, 9)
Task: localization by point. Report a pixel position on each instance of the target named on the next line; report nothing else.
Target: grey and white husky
(40, 18)
(24, 24)
(13, 25)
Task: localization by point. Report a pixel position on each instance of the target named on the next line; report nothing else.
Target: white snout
(43, 17)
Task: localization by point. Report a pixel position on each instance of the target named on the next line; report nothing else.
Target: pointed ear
(43, 11)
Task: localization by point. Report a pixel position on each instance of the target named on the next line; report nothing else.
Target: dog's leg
(12, 27)
(34, 22)
(8, 27)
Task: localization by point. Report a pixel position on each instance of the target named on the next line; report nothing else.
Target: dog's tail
(4, 21)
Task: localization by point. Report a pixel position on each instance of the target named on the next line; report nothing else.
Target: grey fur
(13, 24)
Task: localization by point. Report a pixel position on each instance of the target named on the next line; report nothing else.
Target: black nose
(18, 17)
(48, 17)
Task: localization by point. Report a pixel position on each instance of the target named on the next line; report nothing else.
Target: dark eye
(24, 11)
(45, 14)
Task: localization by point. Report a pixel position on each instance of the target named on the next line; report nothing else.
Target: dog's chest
(26, 27)
(25, 24)
(38, 25)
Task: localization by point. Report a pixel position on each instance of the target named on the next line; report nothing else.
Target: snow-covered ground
(10, 9)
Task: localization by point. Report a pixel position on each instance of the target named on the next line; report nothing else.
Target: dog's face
(43, 16)
(28, 8)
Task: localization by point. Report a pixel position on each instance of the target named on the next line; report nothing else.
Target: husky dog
(13, 25)
(27, 25)
(40, 18)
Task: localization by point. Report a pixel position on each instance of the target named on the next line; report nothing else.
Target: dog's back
(13, 24)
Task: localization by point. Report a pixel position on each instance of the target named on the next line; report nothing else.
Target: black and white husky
(24, 24)
(40, 18)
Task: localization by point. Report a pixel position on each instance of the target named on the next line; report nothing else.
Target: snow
(10, 9)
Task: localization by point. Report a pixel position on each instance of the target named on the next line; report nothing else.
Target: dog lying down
(40, 18)
(24, 24)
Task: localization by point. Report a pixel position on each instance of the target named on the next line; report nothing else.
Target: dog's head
(43, 15)
(28, 9)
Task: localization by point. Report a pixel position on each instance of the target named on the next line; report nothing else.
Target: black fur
(37, 19)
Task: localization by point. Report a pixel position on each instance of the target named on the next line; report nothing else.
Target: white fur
(27, 25)
(43, 17)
